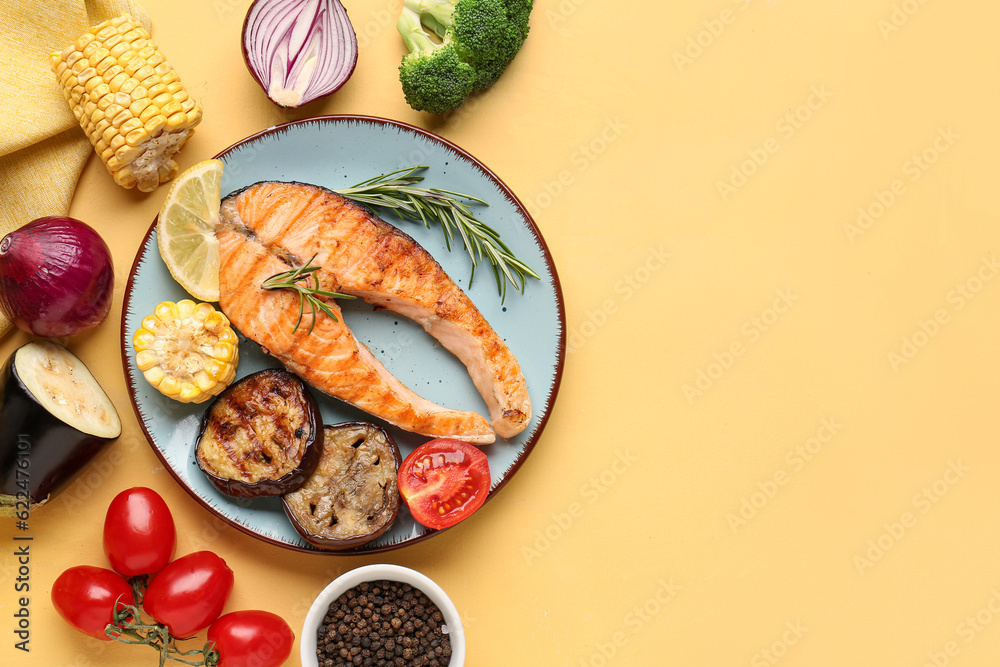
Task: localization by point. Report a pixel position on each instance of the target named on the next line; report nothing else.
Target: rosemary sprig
(308, 293)
(397, 191)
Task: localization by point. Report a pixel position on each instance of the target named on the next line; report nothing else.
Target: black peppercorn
(383, 623)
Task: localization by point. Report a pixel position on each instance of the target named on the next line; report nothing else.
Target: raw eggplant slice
(54, 417)
(261, 436)
(353, 496)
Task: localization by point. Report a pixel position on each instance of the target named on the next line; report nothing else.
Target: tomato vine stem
(129, 626)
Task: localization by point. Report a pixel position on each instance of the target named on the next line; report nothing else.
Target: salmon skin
(272, 227)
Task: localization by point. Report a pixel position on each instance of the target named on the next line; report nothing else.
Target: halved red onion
(299, 50)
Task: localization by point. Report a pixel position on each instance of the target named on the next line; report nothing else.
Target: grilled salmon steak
(270, 227)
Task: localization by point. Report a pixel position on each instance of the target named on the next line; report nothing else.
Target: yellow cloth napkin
(42, 147)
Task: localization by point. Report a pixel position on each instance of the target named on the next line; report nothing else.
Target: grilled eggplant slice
(353, 496)
(54, 418)
(262, 436)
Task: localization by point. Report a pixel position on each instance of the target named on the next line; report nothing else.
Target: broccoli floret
(477, 39)
(434, 76)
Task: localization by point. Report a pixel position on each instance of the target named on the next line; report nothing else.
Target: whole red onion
(57, 277)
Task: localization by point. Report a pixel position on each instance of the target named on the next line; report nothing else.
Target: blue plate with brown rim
(336, 152)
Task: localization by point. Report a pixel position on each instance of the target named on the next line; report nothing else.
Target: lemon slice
(185, 231)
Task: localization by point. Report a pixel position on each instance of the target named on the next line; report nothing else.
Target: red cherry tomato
(444, 481)
(189, 593)
(251, 639)
(139, 533)
(85, 597)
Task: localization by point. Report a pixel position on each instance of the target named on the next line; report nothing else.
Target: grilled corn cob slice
(187, 350)
(129, 101)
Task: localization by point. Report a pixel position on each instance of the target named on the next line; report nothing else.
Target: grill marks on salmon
(271, 227)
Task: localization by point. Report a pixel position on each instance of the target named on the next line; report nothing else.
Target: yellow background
(776, 436)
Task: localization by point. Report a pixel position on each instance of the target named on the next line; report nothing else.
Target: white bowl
(378, 572)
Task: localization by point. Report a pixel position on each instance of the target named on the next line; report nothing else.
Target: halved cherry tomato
(139, 532)
(251, 639)
(86, 595)
(444, 481)
(189, 593)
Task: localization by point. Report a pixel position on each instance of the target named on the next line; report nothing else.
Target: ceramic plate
(337, 152)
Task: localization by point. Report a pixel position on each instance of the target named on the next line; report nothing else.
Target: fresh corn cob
(129, 101)
(187, 350)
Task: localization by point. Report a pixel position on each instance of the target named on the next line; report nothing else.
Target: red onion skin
(57, 277)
